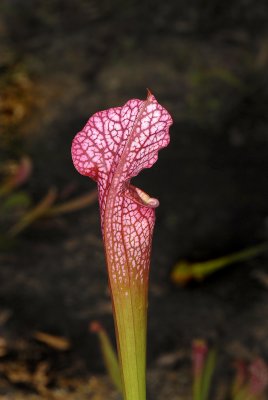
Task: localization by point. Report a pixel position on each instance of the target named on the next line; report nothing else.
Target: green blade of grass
(108, 354)
(208, 374)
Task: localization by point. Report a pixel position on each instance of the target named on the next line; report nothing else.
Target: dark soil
(207, 64)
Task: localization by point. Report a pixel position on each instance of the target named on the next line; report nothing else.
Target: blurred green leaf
(37, 212)
(108, 354)
(16, 200)
(184, 271)
(208, 374)
(6, 243)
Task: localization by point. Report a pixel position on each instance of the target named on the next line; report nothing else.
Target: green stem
(200, 270)
(208, 374)
(197, 388)
(130, 310)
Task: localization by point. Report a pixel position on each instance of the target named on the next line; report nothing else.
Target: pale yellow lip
(146, 199)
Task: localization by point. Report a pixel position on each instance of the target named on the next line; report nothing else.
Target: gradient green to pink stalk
(114, 146)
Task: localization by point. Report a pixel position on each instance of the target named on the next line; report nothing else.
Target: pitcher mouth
(146, 199)
(141, 197)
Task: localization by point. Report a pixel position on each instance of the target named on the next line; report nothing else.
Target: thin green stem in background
(185, 271)
(208, 374)
(108, 354)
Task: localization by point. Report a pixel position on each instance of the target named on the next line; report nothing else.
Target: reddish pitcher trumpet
(114, 146)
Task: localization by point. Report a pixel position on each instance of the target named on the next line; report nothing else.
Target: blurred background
(60, 61)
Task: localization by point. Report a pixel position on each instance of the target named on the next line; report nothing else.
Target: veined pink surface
(114, 146)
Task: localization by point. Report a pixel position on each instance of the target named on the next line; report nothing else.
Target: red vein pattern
(114, 146)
